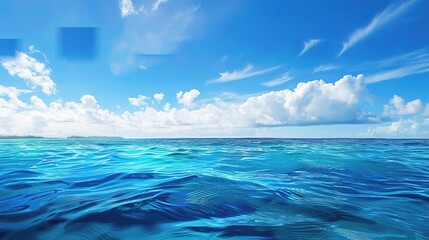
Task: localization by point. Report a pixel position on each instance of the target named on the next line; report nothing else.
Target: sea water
(214, 189)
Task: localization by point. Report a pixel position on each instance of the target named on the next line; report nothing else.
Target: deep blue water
(214, 189)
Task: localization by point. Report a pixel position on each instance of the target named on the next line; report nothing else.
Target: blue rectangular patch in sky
(8, 47)
(78, 42)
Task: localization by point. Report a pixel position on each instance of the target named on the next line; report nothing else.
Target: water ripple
(214, 189)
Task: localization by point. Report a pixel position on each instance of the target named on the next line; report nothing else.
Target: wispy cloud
(156, 5)
(149, 34)
(34, 50)
(247, 72)
(285, 77)
(380, 19)
(412, 63)
(228, 97)
(309, 44)
(414, 57)
(398, 73)
(324, 68)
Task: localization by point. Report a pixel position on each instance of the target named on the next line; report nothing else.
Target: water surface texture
(214, 189)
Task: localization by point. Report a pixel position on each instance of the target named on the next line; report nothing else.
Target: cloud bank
(407, 119)
(310, 103)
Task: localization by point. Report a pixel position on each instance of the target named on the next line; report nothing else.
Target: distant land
(70, 137)
(20, 137)
(94, 137)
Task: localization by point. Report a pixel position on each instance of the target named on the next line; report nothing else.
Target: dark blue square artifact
(8, 47)
(78, 42)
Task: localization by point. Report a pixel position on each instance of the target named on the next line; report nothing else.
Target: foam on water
(214, 189)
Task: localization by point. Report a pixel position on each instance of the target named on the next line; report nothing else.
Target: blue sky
(219, 68)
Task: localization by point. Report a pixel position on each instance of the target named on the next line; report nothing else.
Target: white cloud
(308, 45)
(315, 102)
(382, 18)
(35, 73)
(408, 119)
(401, 128)
(139, 101)
(127, 8)
(12, 94)
(247, 72)
(158, 97)
(398, 106)
(157, 3)
(167, 107)
(324, 68)
(58, 119)
(310, 103)
(285, 77)
(187, 98)
(37, 103)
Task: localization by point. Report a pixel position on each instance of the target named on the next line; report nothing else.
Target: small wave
(96, 182)
(215, 189)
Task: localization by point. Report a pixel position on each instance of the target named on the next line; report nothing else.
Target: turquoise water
(214, 189)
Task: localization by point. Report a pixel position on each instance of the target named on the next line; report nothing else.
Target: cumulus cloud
(59, 119)
(37, 103)
(285, 77)
(158, 97)
(187, 98)
(167, 107)
(139, 101)
(314, 102)
(407, 119)
(382, 18)
(310, 103)
(308, 45)
(12, 94)
(398, 106)
(246, 72)
(35, 73)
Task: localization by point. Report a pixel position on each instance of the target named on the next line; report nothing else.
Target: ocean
(214, 189)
